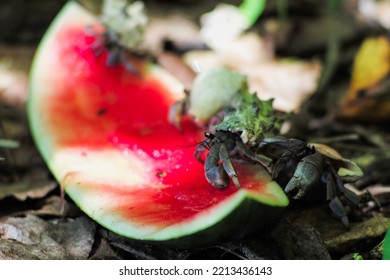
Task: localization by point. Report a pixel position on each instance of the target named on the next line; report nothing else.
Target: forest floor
(33, 224)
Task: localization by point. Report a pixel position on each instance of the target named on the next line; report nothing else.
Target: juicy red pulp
(101, 107)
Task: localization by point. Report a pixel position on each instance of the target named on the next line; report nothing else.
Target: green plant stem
(386, 246)
(331, 58)
(252, 9)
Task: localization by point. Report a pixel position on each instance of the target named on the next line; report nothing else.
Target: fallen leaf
(375, 11)
(176, 28)
(35, 184)
(290, 82)
(247, 50)
(55, 206)
(104, 252)
(368, 94)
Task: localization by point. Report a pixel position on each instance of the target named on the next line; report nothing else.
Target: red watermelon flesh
(103, 132)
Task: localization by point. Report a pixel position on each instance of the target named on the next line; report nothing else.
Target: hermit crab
(123, 33)
(305, 171)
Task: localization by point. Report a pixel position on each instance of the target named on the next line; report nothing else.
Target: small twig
(139, 254)
(227, 250)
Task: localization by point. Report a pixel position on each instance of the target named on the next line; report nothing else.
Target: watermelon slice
(104, 134)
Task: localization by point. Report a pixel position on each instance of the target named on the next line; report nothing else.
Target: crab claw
(295, 185)
(228, 165)
(305, 176)
(217, 177)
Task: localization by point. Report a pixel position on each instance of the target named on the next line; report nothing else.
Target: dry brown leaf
(104, 252)
(55, 206)
(23, 190)
(33, 185)
(247, 50)
(172, 27)
(289, 82)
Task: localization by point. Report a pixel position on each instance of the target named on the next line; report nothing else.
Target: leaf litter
(31, 237)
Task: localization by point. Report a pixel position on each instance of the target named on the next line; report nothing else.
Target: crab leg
(338, 209)
(200, 149)
(349, 195)
(331, 191)
(263, 160)
(228, 165)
